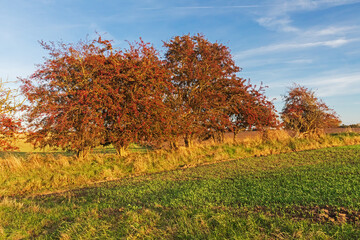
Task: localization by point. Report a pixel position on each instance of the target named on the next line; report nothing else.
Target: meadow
(274, 188)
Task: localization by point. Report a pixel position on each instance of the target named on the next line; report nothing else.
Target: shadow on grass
(134, 148)
(26, 154)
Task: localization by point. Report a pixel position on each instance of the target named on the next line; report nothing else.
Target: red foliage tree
(209, 98)
(9, 125)
(88, 94)
(140, 86)
(66, 96)
(305, 113)
(200, 71)
(250, 108)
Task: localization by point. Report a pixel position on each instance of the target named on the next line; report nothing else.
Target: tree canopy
(90, 94)
(209, 99)
(305, 113)
(137, 111)
(66, 96)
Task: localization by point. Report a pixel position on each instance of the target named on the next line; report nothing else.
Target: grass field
(312, 194)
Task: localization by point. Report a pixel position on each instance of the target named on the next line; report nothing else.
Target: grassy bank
(31, 174)
(300, 195)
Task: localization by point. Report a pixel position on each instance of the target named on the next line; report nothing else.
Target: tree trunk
(213, 138)
(234, 138)
(222, 137)
(173, 145)
(83, 153)
(218, 137)
(187, 141)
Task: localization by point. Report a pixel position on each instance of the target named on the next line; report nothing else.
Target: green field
(311, 194)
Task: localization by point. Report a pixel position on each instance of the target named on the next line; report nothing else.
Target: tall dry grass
(40, 173)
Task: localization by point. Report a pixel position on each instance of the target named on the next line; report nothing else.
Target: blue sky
(315, 43)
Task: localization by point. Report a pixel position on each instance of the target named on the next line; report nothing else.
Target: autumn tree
(140, 84)
(200, 71)
(89, 94)
(66, 96)
(209, 99)
(9, 124)
(250, 108)
(305, 113)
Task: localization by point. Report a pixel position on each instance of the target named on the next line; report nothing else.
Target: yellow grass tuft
(275, 135)
(11, 162)
(11, 203)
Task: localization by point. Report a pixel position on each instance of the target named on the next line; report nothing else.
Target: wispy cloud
(327, 85)
(292, 46)
(332, 30)
(167, 11)
(202, 7)
(277, 16)
(330, 85)
(282, 24)
(300, 61)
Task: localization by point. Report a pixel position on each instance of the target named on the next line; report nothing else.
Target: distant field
(302, 195)
(25, 147)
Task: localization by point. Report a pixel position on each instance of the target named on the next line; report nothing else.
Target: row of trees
(90, 94)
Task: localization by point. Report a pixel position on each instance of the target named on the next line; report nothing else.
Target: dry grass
(32, 161)
(35, 173)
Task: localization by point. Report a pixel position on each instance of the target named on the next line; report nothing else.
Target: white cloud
(277, 16)
(282, 24)
(333, 30)
(335, 43)
(300, 61)
(330, 85)
(202, 7)
(293, 46)
(286, 6)
(218, 7)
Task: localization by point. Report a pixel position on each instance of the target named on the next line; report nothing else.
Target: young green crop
(305, 195)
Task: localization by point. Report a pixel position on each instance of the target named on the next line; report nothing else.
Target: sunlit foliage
(209, 98)
(305, 113)
(90, 94)
(9, 124)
